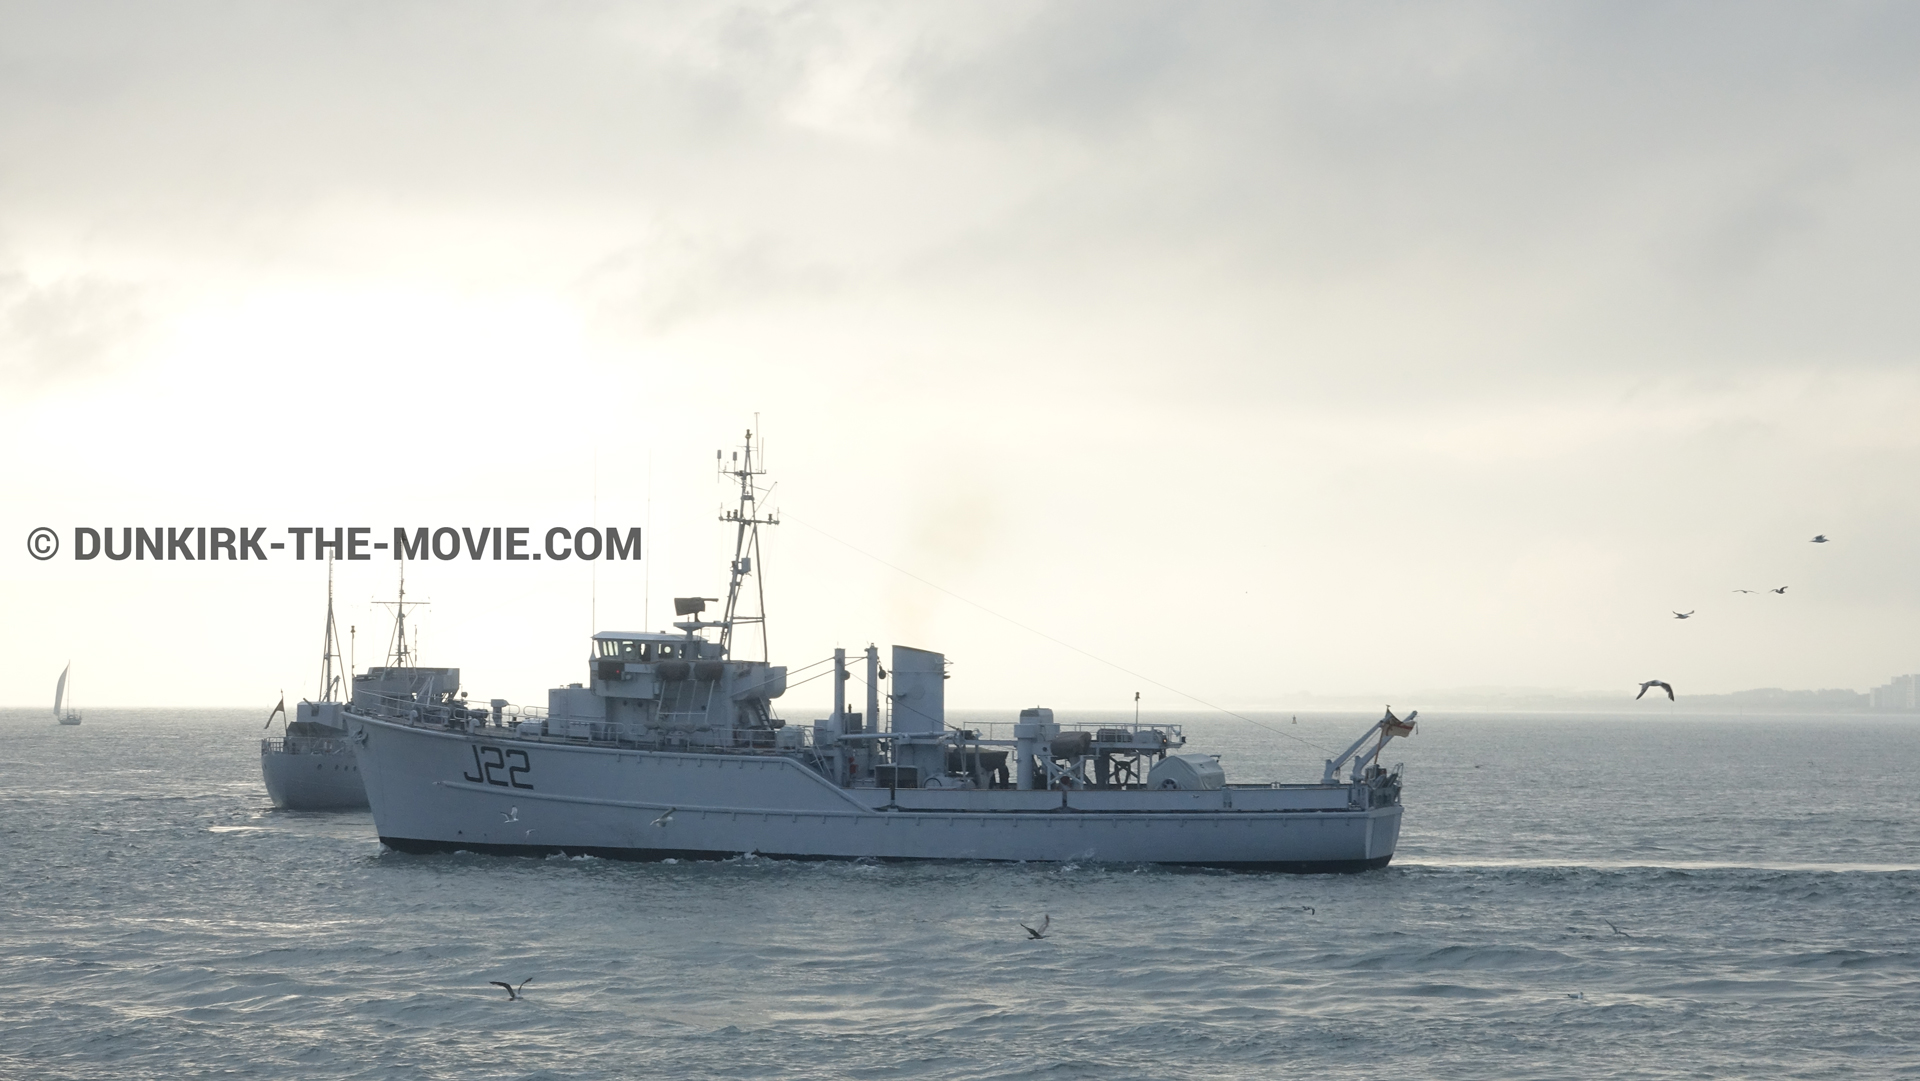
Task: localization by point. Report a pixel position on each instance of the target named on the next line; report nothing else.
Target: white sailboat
(63, 710)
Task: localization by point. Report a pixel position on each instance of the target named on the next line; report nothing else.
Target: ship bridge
(642, 647)
(648, 686)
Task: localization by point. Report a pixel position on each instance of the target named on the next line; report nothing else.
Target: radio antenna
(747, 521)
(329, 647)
(646, 562)
(399, 654)
(593, 569)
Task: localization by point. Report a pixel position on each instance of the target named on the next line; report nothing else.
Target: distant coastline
(1760, 700)
(1896, 698)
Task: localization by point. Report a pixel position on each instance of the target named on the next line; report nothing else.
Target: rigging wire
(794, 672)
(817, 675)
(788, 516)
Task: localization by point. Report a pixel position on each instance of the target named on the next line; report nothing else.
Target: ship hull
(437, 790)
(323, 781)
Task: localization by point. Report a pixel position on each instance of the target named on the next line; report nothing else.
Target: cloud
(679, 273)
(64, 330)
(1434, 197)
(1466, 313)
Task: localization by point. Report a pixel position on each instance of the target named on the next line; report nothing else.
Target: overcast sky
(1255, 349)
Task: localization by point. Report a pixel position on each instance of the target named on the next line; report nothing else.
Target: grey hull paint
(313, 782)
(430, 791)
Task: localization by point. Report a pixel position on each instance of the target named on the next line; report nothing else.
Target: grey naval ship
(312, 767)
(671, 748)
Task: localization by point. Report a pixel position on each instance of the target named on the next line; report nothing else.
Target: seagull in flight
(1616, 928)
(1652, 683)
(513, 993)
(1046, 921)
(1746, 591)
(511, 814)
(1819, 538)
(1683, 615)
(665, 819)
(1782, 590)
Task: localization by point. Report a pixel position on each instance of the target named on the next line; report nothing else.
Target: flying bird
(1045, 922)
(1745, 591)
(1683, 615)
(511, 814)
(1616, 929)
(513, 993)
(1819, 538)
(1644, 687)
(665, 819)
(1782, 589)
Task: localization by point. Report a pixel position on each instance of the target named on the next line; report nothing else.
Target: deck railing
(303, 745)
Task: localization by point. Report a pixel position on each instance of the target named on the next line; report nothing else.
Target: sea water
(1649, 895)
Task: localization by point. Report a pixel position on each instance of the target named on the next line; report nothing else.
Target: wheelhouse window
(625, 650)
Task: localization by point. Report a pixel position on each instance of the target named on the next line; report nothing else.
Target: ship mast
(746, 548)
(399, 654)
(329, 647)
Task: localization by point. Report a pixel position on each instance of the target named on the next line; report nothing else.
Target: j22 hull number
(488, 759)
